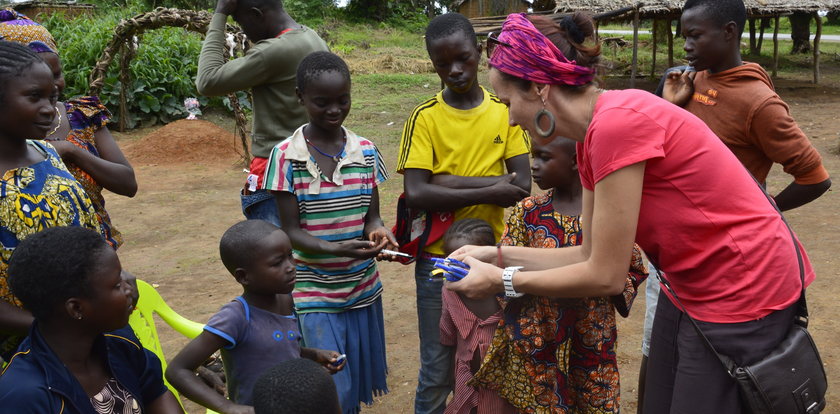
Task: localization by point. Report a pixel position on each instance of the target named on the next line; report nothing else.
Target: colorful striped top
(331, 209)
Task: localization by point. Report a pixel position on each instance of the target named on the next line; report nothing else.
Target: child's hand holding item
(383, 239)
(331, 360)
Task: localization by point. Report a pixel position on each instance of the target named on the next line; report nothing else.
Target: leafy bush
(162, 72)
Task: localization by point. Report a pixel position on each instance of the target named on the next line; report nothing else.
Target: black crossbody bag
(791, 379)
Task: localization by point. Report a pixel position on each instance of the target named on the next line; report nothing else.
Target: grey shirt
(258, 340)
(269, 70)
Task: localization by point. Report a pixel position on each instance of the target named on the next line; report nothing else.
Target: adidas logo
(498, 140)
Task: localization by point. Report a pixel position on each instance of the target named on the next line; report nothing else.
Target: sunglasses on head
(492, 42)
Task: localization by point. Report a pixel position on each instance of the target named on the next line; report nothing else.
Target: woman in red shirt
(656, 174)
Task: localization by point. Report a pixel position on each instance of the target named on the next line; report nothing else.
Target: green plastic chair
(142, 321)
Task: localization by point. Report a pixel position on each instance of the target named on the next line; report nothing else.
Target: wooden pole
(597, 36)
(653, 58)
(776, 46)
(634, 65)
(752, 37)
(817, 48)
(670, 46)
(761, 26)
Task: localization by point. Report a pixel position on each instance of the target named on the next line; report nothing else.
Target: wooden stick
(634, 65)
(670, 46)
(653, 58)
(817, 48)
(776, 46)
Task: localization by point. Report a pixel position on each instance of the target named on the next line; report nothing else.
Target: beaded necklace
(335, 157)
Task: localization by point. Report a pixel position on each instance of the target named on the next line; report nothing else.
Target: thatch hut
(483, 8)
(670, 10)
(774, 9)
(69, 8)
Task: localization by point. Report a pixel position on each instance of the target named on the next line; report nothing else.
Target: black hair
(239, 242)
(568, 145)
(316, 63)
(54, 265)
(296, 386)
(447, 24)
(14, 60)
(473, 230)
(261, 4)
(721, 12)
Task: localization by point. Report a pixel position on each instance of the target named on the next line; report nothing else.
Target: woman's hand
(486, 254)
(482, 281)
(65, 149)
(679, 87)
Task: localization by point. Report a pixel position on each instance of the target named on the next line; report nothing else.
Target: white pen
(395, 253)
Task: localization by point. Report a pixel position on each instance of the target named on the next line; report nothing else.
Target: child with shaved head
(256, 330)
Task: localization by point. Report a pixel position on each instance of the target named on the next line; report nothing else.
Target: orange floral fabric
(553, 355)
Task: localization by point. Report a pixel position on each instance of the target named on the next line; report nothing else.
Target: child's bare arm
(519, 174)
(165, 404)
(181, 374)
(287, 207)
(420, 192)
(13, 319)
(375, 229)
(797, 195)
(326, 358)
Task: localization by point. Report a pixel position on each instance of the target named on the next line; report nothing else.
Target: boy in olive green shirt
(268, 69)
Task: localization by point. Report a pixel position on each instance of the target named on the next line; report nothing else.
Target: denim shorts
(260, 205)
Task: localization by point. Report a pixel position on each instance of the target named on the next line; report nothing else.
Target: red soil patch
(185, 141)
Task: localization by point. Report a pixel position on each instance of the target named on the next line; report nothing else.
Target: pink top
(703, 220)
(462, 329)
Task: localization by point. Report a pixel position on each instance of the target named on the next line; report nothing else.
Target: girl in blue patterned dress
(36, 190)
(79, 133)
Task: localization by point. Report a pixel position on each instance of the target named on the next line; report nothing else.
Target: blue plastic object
(450, 269)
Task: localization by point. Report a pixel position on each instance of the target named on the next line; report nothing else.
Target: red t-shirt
(703, 220)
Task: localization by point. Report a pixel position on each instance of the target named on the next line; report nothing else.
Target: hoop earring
(543, 113)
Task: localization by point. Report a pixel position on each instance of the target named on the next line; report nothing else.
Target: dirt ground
(186, 200)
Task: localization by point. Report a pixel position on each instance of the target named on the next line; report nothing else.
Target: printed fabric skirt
(359, 334)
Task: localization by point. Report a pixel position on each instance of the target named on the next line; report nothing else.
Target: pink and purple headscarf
(532, 56)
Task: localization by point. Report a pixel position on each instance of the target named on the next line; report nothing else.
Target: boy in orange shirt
(737, 101)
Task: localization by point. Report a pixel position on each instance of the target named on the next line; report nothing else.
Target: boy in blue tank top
(256, 330)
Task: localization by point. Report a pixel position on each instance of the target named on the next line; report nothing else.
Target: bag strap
(802, 307)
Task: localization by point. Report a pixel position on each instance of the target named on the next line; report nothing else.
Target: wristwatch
(507, 280)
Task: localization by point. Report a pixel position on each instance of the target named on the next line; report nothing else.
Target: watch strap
(507, 280)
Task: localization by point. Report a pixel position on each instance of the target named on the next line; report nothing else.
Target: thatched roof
(457, 3)
(649, 7)
(601, 6)
(755, 7)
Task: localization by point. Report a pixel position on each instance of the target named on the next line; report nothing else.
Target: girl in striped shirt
(324, 178)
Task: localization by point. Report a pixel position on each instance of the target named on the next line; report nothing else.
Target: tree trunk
(800, 32)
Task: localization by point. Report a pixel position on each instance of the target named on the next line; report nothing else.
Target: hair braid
(477, 231)
(14, 60)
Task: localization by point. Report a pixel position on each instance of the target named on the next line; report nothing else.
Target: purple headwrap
(528, 54)
(16, 27)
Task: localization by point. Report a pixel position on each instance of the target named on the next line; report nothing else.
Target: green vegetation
(162, 72)
(384, 54)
